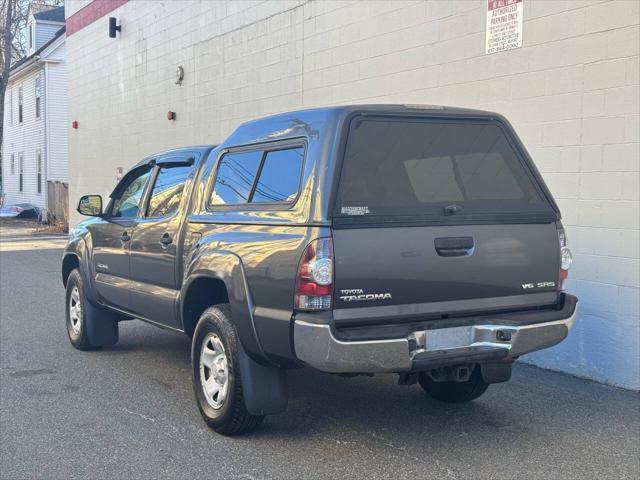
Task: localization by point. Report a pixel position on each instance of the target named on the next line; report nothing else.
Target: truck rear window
(419, 167)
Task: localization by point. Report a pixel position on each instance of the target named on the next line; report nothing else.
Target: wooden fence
(58, 201)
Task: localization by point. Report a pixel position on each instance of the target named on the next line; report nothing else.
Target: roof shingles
(55, 14)
(24, 60)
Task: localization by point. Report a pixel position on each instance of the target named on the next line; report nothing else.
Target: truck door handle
(166, 240)
(454, 246)
(125, 237)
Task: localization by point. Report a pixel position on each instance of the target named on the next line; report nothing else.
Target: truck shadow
(378, 407)
(535, 406)
(368, 413)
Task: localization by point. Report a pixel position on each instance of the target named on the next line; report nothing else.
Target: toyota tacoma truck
(416, 240)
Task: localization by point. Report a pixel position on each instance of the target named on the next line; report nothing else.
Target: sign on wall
(504, 25)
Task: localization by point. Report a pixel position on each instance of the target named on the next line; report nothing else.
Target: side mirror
(90, 205)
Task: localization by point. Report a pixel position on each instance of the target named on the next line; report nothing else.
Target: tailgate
(437, 217)
(383, 274)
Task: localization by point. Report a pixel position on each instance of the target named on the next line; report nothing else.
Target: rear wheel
(216, 374)
(454, 392)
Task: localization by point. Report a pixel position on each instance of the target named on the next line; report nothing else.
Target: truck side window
(236, 174)
(167, 191)
(279, 178)
(127, 205)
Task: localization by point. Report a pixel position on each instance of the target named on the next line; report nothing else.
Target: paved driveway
(127, 411)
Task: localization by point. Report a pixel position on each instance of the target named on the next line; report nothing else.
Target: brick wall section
(86, 16)
(571, 92)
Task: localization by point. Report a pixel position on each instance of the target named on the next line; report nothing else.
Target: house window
(13, 164)
(39, 170)
(11, 106)
(20, 104)
(31, 36)
(21, 173)
(38, 95)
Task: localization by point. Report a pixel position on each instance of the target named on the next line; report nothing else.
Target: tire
(88, 327)
(455, 392)
(216, 374)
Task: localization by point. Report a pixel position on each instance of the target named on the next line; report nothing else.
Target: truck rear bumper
(317, 346)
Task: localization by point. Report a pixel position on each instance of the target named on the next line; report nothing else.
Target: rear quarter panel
(260, 278)
(268, 241)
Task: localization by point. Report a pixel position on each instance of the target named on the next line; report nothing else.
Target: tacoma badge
(358, 295)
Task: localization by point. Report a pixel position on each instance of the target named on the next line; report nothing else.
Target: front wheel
(455, 392)
(88, 326)
(216, 374)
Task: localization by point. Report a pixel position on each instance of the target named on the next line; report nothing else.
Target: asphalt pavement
(128, 411)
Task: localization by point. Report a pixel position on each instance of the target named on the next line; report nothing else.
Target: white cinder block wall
(571, 91)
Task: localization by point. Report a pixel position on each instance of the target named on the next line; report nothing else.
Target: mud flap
(496, 372)
(264, 388)
(102, 326)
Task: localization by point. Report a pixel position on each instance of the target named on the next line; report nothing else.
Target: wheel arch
(69, 262)
(217, 276)
(76, 255)
(202, 292)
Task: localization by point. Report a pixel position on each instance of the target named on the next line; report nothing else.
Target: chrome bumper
(316, 346)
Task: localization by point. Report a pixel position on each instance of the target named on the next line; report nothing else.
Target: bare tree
(7, 14)
(13, 20)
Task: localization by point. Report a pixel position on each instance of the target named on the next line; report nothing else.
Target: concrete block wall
(571, 91)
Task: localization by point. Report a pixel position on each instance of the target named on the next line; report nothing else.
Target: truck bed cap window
(280, 176)
(436, 168)
(236, 174)
(262, 176)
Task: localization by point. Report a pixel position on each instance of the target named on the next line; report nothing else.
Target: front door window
(127, 203)
(167, 191)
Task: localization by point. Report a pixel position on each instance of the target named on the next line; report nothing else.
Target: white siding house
(42, 27)
(35, 123)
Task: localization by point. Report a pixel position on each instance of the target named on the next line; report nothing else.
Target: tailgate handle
(454, 246)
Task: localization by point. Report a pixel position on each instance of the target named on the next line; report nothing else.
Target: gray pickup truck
(363, 239)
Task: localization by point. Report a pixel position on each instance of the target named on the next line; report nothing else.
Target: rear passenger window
(278, 177)
(167, 191)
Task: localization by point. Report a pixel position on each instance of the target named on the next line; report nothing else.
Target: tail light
(566, 258)
(314, 282)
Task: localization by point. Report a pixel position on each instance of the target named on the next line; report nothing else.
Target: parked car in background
(21, 210)
(366, 239)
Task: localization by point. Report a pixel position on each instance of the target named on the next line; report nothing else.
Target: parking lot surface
(127, 411)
